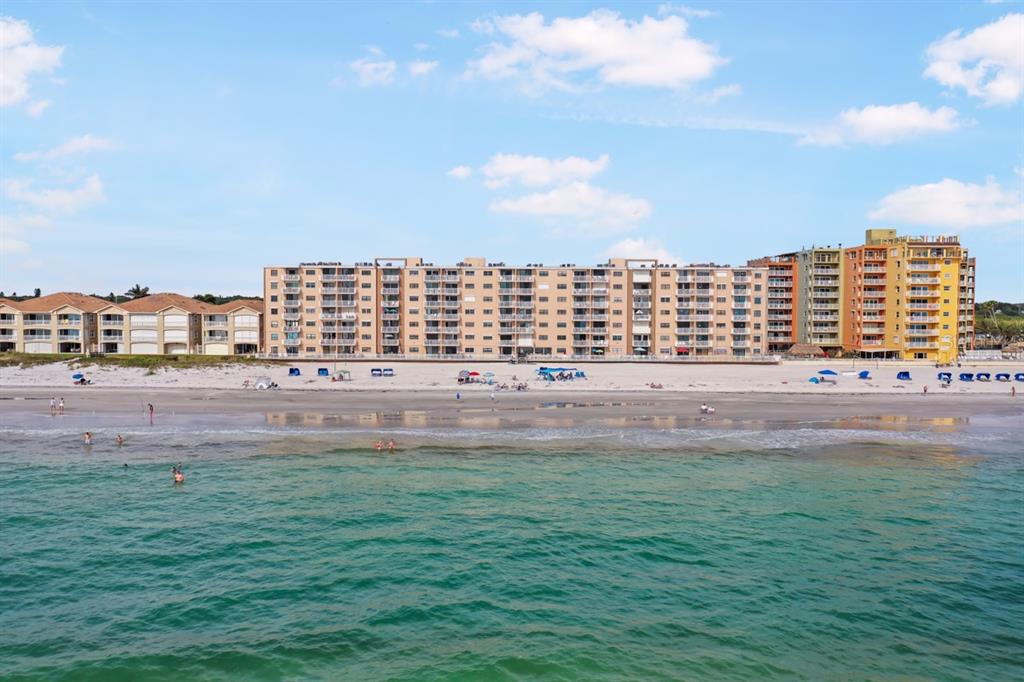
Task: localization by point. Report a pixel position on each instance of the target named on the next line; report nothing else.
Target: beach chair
(1019, 376)
(323, 372)
(966, 376)
(388, 372)
(983, 376)
(294, 372)
(903, 376)
(864, 374)
(945, 376)
(376, 372)
(1002, 376)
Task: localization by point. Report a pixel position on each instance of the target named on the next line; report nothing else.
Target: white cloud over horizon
(601, 46)
(460, 172)
(642, 247)
(76, 145)
(57, 200)
(953, 204)
(372, 72)
(988, 62)
(884, 124)
(421, 68)
(20, 58)
(538, 171)
(592, 207)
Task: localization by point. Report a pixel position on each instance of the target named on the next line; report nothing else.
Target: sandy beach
(790, 377)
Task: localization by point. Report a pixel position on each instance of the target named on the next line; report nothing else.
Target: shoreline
(422, 409)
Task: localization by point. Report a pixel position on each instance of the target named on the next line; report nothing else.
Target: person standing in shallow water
(151, 411)
(60, 406)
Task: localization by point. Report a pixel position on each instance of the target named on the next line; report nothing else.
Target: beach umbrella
(474, 374)
(77, 376)
(828, 372)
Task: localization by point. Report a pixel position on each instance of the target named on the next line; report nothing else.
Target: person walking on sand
(60, 405)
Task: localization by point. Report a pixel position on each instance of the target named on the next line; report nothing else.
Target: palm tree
(137, 292)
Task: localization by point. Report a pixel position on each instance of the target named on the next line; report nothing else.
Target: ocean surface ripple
(288, 557)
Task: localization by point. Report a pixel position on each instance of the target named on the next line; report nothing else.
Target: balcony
(390, 278)
(112, 321)
(922, 344)
(741, 305)
(874, 281)
(916, 279)
(335, 316)
(925, 267)
(36, 322)
(694, 318)
(922, 306)
(290, 317)
(642, 305)
(924, 293)
(922, 319)
(388, 316)
(293, 342)
(291, 278)
(741, 318)
(451, 279)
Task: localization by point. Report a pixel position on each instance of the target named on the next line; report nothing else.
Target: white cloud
(539, 171)
(987, 63)
(460, 172)
(953, 204)
(56, 200)
(483, 26)
(76, 145)
(20, 57)
(601, 46)
(881, 124)
(372, 72)
(421, 46)
(35, 109)
(421, 68)
(731, 90)
(670, 8)
(12, 229)
(641, 248)
(593, 206)
(448, 32)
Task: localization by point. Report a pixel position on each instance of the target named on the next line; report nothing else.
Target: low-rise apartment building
(909, 297)
(57, 323)
(160, 324)
(476, 308)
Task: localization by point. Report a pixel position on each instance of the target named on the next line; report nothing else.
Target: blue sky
(184, 146)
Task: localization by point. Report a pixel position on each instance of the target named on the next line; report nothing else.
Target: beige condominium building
(475, 308)
(909, 297)
(805, 298)
(57, 323)
(160, 324)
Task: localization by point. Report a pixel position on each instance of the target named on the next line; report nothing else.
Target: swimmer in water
(88, 438)
(178, 476)
(379, 447)
(119, 440)
(391, 445)
(703, 408)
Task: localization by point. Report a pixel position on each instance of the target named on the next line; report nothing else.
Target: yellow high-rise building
(908, 297)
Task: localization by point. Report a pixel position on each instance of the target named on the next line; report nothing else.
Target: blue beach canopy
(829, 372)
(77, 376)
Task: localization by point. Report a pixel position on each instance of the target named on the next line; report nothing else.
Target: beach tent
(262, 383)
(945, 376)
(903, 376)
(1019, 376)
(294, 372)
(463, 374)
(864, 374)
(323, 372)
(966, 376)
(342, 375)
(375, 372)
(1002, 376)
(78, 376)
(983, 376)
(805, 350)
(829, 372)
(388, 372)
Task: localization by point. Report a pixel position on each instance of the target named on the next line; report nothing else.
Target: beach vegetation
(151, 363)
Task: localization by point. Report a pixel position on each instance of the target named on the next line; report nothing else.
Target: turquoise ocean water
(785, 554)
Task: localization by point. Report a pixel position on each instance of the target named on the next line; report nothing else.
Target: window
(273, 298)
(311, 285)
